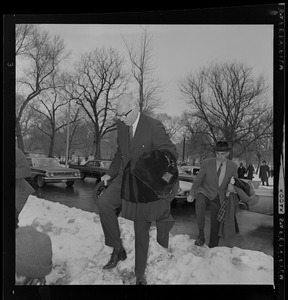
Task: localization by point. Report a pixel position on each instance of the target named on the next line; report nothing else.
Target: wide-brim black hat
(222, 146)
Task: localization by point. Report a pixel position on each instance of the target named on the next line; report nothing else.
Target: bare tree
(28, 116)
(24, 38)
(229, 100)
(41, 58)
(262, 144)
(98, 81)
(142, 70)
(195, 133)
(171, 124)
(51, 104)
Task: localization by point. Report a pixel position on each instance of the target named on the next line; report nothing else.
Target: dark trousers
(201, 203)
(107, 206)
(265, 180)
(141, 228)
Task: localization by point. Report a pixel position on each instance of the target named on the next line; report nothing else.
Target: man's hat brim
(223, 148)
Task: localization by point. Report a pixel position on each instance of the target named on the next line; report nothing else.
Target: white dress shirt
(134, 126)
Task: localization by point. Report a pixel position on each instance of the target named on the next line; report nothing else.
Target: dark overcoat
(150, 135)
(264, 173)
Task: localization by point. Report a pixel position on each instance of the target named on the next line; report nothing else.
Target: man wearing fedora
(209, 188)
(142, 144)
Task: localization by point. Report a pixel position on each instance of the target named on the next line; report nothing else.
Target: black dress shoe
(200, 240)
(117, 254)
(141, 281)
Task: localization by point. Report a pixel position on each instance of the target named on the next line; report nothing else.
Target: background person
(250, 172)
(22, 188)
(264, 173)
(137, 133)
(241, 171)
(209, 187)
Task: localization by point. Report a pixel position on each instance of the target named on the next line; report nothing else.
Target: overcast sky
(178, 49)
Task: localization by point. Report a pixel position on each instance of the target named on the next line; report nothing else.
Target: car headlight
(77, 174)
(49, 174)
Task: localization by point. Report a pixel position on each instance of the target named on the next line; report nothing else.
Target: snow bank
(79, 253)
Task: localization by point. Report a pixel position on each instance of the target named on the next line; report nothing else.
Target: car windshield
(45, 162)
(195, 171)
(106, 164)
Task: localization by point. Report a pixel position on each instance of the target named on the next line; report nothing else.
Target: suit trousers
(107, 206)
(200, 206)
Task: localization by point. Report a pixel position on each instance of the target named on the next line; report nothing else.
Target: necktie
(219, 170)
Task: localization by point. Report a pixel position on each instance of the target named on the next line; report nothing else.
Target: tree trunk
(20, 142)
(258, 165)
(97, 144)
(51, 147)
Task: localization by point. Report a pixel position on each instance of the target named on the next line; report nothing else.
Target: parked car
(184, 189)
(48, 170)
(184, 176)
(92, 168)
(190, 170)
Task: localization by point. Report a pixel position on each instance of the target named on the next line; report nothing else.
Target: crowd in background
(247, 173)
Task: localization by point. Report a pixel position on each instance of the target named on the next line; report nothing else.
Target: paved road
(80, 195)
(256, 230)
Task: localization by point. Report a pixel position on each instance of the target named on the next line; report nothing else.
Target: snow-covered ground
(270, 181)
(79, 253)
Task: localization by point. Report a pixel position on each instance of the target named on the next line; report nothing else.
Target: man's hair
(128, 98)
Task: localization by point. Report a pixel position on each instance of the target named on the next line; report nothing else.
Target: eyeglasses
(123, 116)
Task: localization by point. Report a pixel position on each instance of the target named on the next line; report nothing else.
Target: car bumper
(182, 196)
(56, 180)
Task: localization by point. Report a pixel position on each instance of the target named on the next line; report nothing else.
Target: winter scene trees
(60, 100)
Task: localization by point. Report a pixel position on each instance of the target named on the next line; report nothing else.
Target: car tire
(82, 176)
(40, 181)
(180, 203)
(69, 183)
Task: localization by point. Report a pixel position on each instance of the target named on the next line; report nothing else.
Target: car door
(89, 168)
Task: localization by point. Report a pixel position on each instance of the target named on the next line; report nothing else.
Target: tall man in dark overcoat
(264, 173)
(137, 134)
